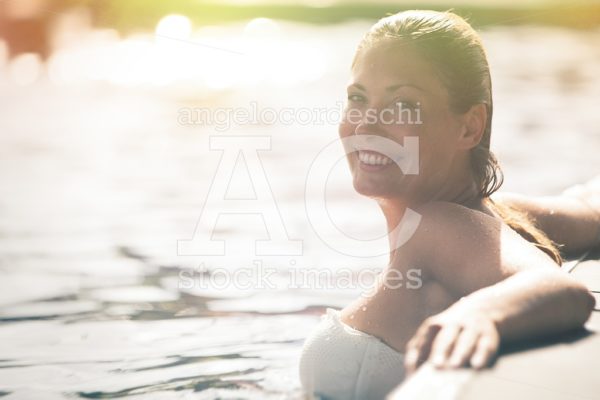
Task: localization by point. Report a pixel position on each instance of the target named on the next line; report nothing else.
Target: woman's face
(393, 78)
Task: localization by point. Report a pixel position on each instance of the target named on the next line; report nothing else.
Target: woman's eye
(406, 104)
(356, 98)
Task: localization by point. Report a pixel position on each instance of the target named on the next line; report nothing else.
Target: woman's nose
(370, 124)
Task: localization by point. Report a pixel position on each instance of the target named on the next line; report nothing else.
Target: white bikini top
(340, 362)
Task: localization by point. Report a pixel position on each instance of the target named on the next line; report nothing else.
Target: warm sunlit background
(99, 177)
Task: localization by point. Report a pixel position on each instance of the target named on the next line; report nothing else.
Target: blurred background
(99, 177)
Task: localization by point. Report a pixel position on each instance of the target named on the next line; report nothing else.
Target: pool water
(98, 182)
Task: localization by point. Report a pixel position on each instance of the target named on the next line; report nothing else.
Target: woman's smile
(372, 161)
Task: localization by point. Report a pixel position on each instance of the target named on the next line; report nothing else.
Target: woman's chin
(388, 187)
(371, 189)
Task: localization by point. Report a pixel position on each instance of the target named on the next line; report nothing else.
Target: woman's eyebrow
(357, 86)
(391, 88)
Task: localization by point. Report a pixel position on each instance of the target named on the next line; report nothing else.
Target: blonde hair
(456, 53)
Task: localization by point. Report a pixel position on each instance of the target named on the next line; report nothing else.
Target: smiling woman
(490, 255)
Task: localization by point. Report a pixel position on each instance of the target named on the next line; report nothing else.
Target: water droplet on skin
(364, 308)
(352, 316)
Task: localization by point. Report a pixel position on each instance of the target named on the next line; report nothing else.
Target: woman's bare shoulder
(451, 223)
(466, 249)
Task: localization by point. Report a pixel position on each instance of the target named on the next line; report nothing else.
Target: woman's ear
(475, 120)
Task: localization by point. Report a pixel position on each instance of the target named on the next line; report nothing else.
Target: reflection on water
(98, 181)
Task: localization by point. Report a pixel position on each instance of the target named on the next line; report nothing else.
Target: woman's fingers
(443, 344)
(464, 348)
(487, 346)
(451, 345)
(419, 347)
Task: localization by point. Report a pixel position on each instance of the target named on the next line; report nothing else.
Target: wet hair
(456, 53)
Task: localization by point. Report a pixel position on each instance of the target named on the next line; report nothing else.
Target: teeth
(373, 159)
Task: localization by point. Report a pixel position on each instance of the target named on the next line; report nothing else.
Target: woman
(489, 268)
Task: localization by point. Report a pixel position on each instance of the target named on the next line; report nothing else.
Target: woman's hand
(456, 337)
(526, 305)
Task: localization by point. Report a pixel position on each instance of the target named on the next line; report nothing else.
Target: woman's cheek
(346, 129)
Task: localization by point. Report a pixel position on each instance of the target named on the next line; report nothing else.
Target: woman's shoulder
(443, 222)
(446, 234)
(465, 249)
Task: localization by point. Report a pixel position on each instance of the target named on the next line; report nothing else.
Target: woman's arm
(571, 219)
(509, 288)
(526, 305)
